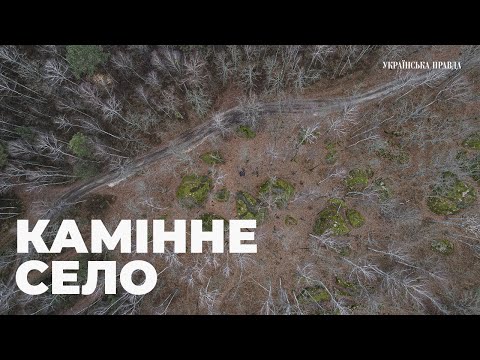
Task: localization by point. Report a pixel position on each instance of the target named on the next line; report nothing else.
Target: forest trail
(194, 137)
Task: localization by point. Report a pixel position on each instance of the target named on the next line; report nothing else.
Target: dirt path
(194, 137)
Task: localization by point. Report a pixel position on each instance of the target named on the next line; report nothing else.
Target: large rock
(334, 218)
(473, 141)
(281, 191)
(212, 158)
(193, 190)
(207, 221)
(357, 179)
(443, 246)
(451, 195)
(331, 218)
(249, 208)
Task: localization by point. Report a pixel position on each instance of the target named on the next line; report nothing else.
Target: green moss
(339, 203)
(345, 288)
(314, 294)
(334, 218)
(193, 190)
(246, 131)
(331, 219)
(222, 195)
(473, 141)
(290, 220)
(280, 190)
(357, 179)
(355, 218)
(248, 208)
(212, 158)
(382, 188)
(450, 195)
(207, 221)
(330, 146)
(3, 156)
(345, 284)
(443, 246)
(331, 157)
(442, 206)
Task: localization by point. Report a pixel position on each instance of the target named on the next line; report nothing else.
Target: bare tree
(169, 61)
(199, 100)
(124, 62)
(208, 298)
(170, 104)
(339, 125)
(223, 66)
(56, 72)
(195, 70)
(320, 53)
(249, 76)
(251, 110)
(268, 305)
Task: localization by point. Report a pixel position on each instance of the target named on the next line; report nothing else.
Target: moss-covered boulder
(281, 191)
(451, 195)
(290, 221)
(222, 195)
(443, 246)
(331, 218)
(248, 208)
(383, 188)
(472, 141)
(207, 221)
(335, 218)
(246, 131)
(212, 158)
(357, 179)
(338, 203)
(193, 190)
(314, 294)
(355, 218)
